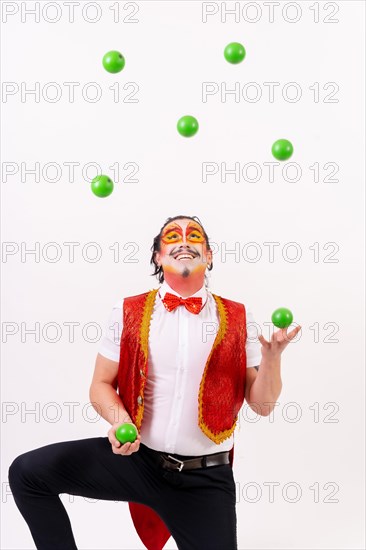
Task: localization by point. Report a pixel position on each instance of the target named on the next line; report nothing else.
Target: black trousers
(197, 506)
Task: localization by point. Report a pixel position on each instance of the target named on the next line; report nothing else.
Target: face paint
(183, 254)
(173, 234)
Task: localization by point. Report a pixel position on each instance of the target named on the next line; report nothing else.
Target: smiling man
(178, 367)
(183, 256)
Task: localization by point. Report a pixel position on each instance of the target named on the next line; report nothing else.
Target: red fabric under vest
(221, 393)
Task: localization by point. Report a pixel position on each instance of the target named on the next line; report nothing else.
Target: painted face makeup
(183, 248)
(173, 233)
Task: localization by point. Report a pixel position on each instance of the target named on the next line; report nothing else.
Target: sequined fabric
(133, 361)
(222, 388)
(192, 304)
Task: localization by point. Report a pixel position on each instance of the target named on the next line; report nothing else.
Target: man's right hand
(122, 449)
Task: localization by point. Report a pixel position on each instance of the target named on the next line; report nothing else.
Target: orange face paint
(173, 234)
(185, 276)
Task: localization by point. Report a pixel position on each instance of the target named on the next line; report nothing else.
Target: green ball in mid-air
(282, 317)
(113, 61)
(234, 53)
(187, 126)
(126, 433)
(102, 186)
(282, 149)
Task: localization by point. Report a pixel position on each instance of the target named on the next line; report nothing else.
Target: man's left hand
(271, 351)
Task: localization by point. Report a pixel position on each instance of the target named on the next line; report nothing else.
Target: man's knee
(16, 472)
(20, 470)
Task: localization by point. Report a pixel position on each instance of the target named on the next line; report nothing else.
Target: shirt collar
(201, 293)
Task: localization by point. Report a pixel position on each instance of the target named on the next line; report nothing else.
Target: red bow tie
(193, 304)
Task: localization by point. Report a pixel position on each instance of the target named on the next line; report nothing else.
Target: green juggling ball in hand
(126, 433)
(282, 317)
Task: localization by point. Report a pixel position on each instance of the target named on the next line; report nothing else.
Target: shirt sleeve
(253, 345)
(111, 338)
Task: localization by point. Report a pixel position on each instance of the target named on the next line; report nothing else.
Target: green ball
(126, 433)
(282, 317)
(102, 186)
(187, 126)
(234, 53)
(113, 61)
(282, 149)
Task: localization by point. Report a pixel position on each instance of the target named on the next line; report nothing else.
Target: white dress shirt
(179, 345)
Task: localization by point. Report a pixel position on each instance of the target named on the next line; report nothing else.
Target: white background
(169, 53)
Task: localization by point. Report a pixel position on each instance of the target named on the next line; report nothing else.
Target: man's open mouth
(184, 256)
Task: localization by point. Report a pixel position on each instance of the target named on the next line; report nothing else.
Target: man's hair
(158, 270)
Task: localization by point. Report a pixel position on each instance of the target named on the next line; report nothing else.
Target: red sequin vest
(221, 392)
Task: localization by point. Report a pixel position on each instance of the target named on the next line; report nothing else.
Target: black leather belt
(170, 462)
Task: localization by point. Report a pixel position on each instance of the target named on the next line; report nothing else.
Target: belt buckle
(181, 463)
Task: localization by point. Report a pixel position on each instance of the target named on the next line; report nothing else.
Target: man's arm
(251, 375)
(102, 393)
(108, 404)
(266, 385)
(263, 387)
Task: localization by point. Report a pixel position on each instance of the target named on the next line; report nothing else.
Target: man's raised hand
(279, 340)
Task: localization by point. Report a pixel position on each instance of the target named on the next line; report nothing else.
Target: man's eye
(195, 235)
(172, 236)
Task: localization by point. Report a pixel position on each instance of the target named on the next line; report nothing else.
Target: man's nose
(185, 244)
